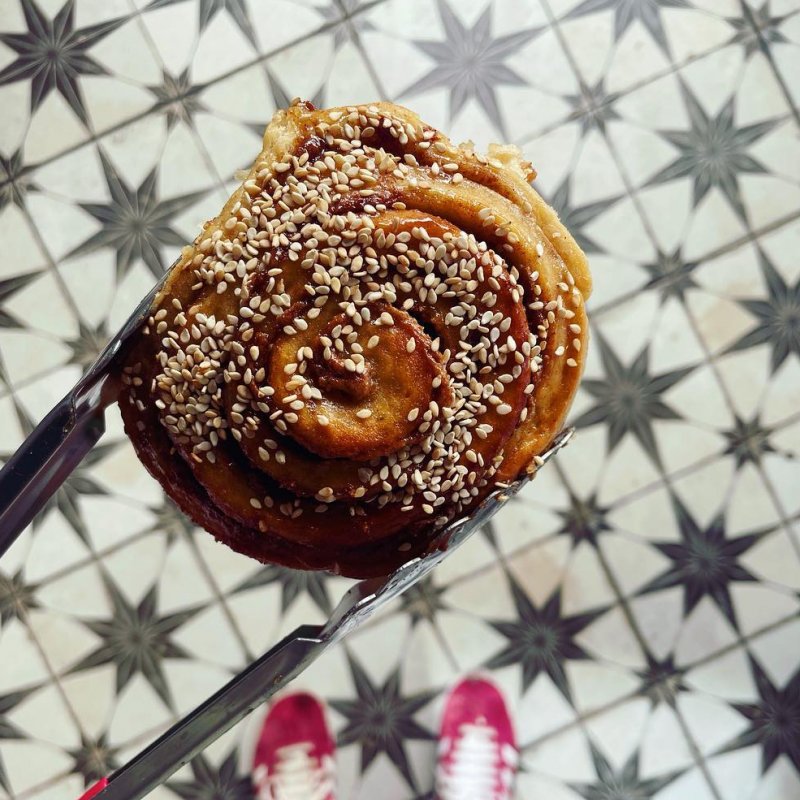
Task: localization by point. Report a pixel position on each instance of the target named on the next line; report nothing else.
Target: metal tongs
(58, 444)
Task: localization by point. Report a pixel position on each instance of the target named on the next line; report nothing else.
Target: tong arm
(46, 458)
(184, 740)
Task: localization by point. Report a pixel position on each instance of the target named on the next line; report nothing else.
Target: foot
(295, 753)
(477, 747)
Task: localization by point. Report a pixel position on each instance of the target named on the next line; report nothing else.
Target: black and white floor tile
(640, 604)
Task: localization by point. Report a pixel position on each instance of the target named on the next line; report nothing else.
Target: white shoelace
(473, 766)
(297, 776)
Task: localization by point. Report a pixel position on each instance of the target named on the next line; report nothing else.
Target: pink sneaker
(477, 747)
(295, 753)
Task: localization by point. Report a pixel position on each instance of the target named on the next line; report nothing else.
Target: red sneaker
(477, 746)
(294, 757)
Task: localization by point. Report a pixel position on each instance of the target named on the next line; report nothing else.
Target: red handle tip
(94, 789)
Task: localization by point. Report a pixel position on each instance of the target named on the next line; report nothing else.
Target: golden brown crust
(377, 329)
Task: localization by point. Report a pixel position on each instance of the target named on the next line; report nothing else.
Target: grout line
(373, 73)
(621, 598)
(786, 524)
(143, 739)
(220, 598)
(355, 38)
(696, 754)
(446, 649)
(634, 87)
(37, 788)
(766, 51)
(741, 641)
(96, 557)
(199, 143)
(54, 679)
(202, 564)
(577, 722)
(51, 264)
(714, 367)
(678, 474)
(633, 695)
(751, 236)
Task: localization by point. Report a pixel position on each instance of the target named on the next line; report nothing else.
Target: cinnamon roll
(378, 328)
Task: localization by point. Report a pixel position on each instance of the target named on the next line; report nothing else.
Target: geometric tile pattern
(640, 604)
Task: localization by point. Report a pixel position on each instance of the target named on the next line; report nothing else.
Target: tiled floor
(640, 603)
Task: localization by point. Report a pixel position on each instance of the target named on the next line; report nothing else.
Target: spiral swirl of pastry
(377, 329)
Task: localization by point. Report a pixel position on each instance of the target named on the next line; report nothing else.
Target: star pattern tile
(541, 640)
(670, 274)
(381, 718)
(67, 500)
(423, 601)
(170, 521)
(14, 180)
(88, 344)
(664, 133)
(629, 399)
(774, 719)
(136, 223)
(53, 54)
(209, 782)
(16, 597)
(347, 23)
(704, 562)
(626, 12)
(748, 440)
(94, 759)
(208, 10)
(662, 681)
(8, 288)
(593, 107)
(136, 639)
(293, 583)
(8, 731)
(576, 217)
(714, 151)
(177, 97)
(470, 63)
(757, 28)
(624, 783)
(777, 317)
(584, 519)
